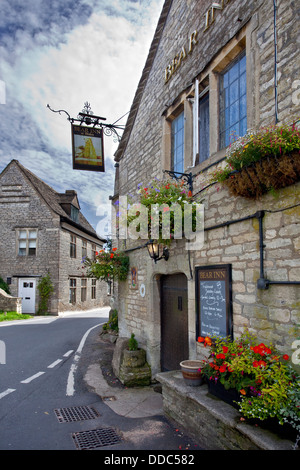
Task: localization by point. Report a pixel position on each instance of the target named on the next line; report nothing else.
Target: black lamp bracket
(187, 177)
(88, 118)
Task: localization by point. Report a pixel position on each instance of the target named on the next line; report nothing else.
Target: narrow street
(45, 401)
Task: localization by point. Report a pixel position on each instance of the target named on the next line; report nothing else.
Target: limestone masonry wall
(272, 314)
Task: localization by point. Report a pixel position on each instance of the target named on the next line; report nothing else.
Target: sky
(65, 53)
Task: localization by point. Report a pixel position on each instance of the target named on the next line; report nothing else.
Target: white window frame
(28, 240)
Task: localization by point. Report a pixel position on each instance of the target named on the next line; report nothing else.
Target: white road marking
(70, 383)
(68, 353)
(54, 363)
(7, 392)
(35, 376)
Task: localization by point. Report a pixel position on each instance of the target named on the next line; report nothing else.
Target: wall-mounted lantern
(153, 250)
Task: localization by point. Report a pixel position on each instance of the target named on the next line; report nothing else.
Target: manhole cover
(85, 440)
(75, 413)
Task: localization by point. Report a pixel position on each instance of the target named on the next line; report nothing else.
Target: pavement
(133, 402)
(136, 412)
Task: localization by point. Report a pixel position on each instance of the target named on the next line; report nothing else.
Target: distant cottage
(44, 231)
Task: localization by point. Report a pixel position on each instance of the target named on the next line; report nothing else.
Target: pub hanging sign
(213, 301)
(87, 148)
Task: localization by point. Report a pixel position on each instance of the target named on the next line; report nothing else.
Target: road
(40, 375)
(44, 375)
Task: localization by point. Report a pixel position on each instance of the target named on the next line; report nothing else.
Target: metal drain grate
(75, 413)
(86, 440)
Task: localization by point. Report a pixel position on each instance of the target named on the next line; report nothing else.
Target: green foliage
(273, 141)
(108, 265)
(4, 286)
(164, 200)
(45, 288)
(8, 316)
(268, 385)
(290, 412)
(112, 323)
(132, 343)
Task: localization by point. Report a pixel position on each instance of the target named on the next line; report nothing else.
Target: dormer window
(74, 213)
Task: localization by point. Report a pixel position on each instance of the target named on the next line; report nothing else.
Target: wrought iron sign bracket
(88, 118)
(187, 177)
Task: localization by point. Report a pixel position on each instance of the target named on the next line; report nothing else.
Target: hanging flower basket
(107, 265)
(262, 161)
(260, 177)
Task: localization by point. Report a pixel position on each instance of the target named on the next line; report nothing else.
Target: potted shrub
(262, 161)
(134, 370)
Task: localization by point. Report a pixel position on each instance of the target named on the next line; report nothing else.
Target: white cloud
(62, 57)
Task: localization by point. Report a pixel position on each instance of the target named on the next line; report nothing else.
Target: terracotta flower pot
(191, 373)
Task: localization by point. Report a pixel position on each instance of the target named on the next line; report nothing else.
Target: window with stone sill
(94, 251)
(93, 293)
(177, 143)
(72, 291)
(84, 248)
(203, 118)
(83, 289)
(27, 242)
(72, 246)
(233, 101)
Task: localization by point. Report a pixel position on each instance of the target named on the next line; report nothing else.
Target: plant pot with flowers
(267, 385)
(108, 265)
(261, 161)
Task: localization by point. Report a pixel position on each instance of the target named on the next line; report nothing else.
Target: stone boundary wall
(211, 421)
(9, 303)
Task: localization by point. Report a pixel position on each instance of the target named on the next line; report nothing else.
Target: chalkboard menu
(213, 301)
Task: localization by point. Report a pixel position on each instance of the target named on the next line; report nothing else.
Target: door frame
(161, 316)
(20, 287)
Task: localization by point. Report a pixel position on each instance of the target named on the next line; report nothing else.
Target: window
(73, 246)
(83, 289)
(233, 102)
(93, 296)
(203, 127)
(94, 251)
(72, 291)
(74, 213)
(84, 248)
(177, 144)
(27, 241)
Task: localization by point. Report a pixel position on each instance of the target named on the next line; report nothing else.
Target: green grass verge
(14, 316)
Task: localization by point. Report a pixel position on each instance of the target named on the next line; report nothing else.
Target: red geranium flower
(285, 357)
(220, 356)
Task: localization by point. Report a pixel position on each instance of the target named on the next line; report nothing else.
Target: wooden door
(174, 321)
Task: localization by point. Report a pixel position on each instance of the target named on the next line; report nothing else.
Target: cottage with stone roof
(43, 231)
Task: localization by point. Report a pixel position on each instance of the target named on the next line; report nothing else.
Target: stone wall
(211, 421)
(9, 303)
(272, 314)
(74, 268)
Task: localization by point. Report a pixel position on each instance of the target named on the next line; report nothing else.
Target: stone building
(213, 68)
(42, 232)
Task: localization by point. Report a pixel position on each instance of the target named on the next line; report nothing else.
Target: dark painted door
(174, 321)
